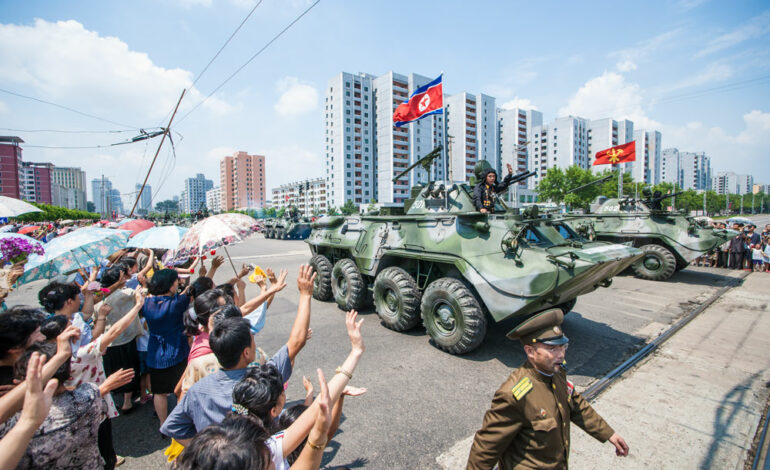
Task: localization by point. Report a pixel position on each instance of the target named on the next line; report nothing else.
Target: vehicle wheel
(270, 233)
(452, 316)
(397, 299)
(322, 284)
(680, 265)
(348, 286)
(567, 307)
(657, 264)
(284, 235)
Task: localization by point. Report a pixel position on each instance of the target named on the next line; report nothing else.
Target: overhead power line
(67, 108)
(64, 131)
(260, 51)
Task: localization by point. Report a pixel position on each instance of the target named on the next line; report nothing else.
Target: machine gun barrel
(665, 196)
(522, 176)
(424, 161)
(600, 180)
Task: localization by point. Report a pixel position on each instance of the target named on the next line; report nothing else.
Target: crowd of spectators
(749, 250)
(131, 331)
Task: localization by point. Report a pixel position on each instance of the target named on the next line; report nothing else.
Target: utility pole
(163, 139)
(752, 202)
(741, 212)
(704, 203)
(450, 141)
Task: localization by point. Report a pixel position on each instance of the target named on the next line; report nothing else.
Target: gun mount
(425, 161)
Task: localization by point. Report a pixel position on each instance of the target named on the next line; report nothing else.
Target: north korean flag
(426, 100)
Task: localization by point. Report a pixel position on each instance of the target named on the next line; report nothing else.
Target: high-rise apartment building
(214, 199)
(144, 205)
(472, 132)
(36, 182)
(309, 196)
(728, 182)
(670, 167)
(10, 166)
(242, 181)
(561, 143)
(72, 187)
(515, 129)
(364, 150)
(101, 193)
(695, 170)
(194, 193)
(646, 168)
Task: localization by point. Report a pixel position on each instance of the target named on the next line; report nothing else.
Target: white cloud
(630, 57)
(626, 65)
(609, 95)
(291, 163)
(217, 153)
(296, 98)
(713, 73)
(742, 152)
(521, 103)
(66, 63)
(754, 28)
(3, 107)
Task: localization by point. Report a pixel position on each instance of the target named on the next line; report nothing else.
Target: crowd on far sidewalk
(748, 250)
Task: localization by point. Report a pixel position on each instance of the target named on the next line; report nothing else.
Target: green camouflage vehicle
(289, 227)
(669, 240)
(436, 259)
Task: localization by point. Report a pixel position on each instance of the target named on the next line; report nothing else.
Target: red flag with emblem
(426, 100)
(618, 154)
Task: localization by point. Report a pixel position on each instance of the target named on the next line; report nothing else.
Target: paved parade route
(422, 401)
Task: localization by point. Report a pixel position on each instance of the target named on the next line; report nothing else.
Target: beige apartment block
(242, 181)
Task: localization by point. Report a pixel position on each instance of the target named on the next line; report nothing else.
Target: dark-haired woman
(64, 299)
(168, 348)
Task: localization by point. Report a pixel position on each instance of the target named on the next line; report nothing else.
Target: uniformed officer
(528, 424)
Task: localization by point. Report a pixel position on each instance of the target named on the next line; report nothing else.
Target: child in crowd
(757, 258)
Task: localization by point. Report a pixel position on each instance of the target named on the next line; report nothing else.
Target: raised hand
(245, 269)
(139, 296)
(65, 339)
(271, 275)
(308, 385)
(305, 279)
(353, 391)
(217, 262)
(116, 380)
(510, 168)
(37, 401)
(280, 283)
(354, 330)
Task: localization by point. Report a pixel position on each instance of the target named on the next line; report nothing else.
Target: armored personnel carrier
(289, 227)
(670, 240)
(438, 260)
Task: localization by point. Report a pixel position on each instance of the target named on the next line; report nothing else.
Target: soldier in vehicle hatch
(528, 424)
(488, 188)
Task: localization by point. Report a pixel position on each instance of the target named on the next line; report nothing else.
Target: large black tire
(681, 264)
(348, 285)
(397, 299)
(267, 233)
(452, 316)
(322, 285)
(657, 264)
(284, 234)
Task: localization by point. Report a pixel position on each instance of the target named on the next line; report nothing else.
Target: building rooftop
(10, 139)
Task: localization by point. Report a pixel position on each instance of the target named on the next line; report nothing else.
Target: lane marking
(274, 255)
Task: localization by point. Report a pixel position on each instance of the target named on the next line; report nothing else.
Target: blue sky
(679, 67)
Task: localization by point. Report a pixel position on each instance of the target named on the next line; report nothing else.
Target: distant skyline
(696, 70)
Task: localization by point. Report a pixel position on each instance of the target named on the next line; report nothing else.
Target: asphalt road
(422, 400)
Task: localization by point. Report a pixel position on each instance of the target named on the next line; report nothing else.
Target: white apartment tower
(646, 168)
(472, 132)
(670, 167)
(399, 147)
(349, 139)
(561, 143)
(695, 170)
(309, 196)
(515, 129)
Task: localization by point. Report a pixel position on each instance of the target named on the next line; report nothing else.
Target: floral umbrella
(167, 237)
(11, 207)
(211, 233)
(28, 229)
(79, 249)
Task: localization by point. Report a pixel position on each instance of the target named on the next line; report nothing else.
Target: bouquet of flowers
(15, 250)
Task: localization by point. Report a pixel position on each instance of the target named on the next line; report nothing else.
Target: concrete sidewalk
(695, 403)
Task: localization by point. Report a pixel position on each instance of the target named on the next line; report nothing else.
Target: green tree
(280, 212)
(90, 206)
(270, 212)
(332, 211)
(558, 182)
(349, 208)
(55, 213)
(372, 205)
(167, 206)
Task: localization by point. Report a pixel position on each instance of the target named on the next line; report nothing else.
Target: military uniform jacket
(528, 424)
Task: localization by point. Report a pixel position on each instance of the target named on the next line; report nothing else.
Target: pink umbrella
(137, 226)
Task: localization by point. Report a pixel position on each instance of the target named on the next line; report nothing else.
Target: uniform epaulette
(521, 388)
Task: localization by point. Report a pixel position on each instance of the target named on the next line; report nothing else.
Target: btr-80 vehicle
(437, 259)
(289, 227)
(670, 240)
